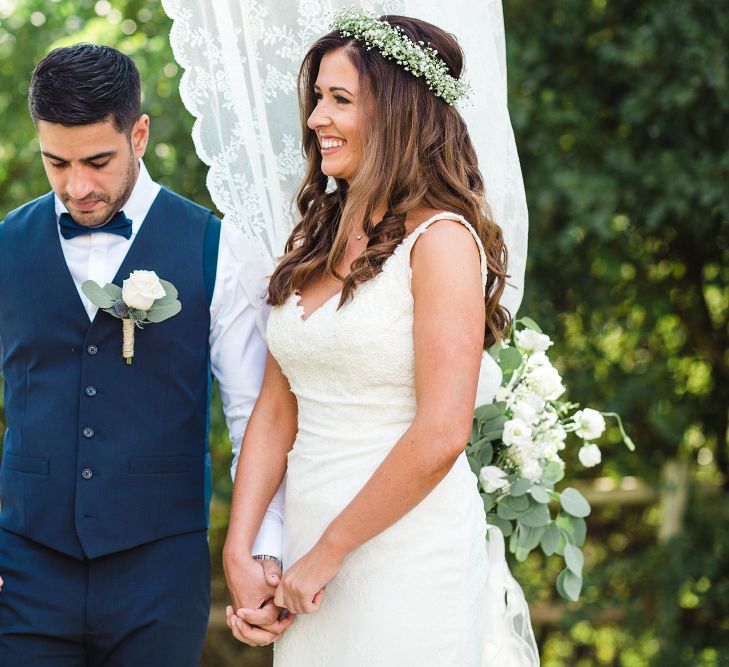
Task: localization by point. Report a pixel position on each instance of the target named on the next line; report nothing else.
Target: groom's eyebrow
(91, 158)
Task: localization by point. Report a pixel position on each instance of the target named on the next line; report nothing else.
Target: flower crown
(417, 58)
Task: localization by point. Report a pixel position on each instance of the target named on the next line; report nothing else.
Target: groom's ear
(139, 136)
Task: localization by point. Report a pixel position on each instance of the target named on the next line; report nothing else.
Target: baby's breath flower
(417, 58)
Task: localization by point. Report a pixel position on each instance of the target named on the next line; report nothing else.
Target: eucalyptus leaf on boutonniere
(142, 299)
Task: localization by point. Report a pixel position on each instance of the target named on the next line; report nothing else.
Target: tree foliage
(619, 112)
(619, 109)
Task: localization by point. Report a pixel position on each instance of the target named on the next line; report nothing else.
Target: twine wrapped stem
(128, 339)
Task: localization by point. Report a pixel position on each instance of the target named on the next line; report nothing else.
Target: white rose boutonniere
(141, 289)
(143, 299)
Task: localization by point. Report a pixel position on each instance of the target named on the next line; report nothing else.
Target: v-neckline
(301, 311)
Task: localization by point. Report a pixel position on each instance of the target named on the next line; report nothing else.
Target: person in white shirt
(103, 483)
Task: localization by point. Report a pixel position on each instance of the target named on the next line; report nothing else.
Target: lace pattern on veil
(240, 61)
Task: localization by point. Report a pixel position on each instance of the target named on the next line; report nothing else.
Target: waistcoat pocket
(27, 464)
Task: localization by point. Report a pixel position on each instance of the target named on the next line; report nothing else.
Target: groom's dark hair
(85, 84)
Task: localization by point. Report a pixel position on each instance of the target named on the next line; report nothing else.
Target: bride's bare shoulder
(445, 260)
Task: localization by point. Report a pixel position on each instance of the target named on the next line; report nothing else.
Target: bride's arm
(448, 334)
(261, 466)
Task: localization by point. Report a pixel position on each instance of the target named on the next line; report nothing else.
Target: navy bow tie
(119, 224)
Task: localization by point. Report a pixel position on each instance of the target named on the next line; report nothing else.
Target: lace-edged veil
(240, 60)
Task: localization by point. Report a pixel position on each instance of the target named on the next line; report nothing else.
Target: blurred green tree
(619, 109)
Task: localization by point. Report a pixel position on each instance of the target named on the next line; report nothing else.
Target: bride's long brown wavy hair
(416, 153)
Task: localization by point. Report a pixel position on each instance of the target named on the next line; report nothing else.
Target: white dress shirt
(237, 320)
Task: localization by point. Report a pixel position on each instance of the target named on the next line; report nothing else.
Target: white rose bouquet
(515, 448)
(143, 298)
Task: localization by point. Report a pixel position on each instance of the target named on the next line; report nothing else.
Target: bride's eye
(341, 100)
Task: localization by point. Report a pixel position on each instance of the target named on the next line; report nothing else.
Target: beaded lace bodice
(359, 357)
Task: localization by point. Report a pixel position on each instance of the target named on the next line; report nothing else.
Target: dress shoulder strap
(410, 240)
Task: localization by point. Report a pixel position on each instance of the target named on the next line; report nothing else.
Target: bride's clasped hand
(303, 585)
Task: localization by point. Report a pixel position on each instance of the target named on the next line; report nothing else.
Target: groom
(104, 483)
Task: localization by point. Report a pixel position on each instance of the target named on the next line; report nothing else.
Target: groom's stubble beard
(115, 201)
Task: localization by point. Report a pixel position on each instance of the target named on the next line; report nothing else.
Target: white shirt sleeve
(238, 314)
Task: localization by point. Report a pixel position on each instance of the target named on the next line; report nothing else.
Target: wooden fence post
(674, 495)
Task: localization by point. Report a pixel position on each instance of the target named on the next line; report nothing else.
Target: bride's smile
(331, 145)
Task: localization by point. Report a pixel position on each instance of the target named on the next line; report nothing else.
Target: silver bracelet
(275, 559)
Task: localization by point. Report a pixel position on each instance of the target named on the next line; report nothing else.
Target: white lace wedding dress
(414, 595)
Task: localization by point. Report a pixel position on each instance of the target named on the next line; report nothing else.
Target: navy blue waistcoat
(100, 456)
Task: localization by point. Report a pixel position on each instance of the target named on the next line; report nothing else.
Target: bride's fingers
(300, 602)
(292, 601)
(305, 604)
(318, 598)
(293, 598)
(309, 604)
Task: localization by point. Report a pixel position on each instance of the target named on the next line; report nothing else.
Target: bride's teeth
(332, 143)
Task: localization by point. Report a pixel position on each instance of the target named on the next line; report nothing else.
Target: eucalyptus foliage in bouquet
(142, 299)
(514, 449)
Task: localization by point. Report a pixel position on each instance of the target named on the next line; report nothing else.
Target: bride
(382, 305)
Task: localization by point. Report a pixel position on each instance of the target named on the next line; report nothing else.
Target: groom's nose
(80, 182)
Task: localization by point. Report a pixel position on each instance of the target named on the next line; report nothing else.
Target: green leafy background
(620, 111)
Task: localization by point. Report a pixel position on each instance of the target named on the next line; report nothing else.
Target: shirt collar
(137, 206)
